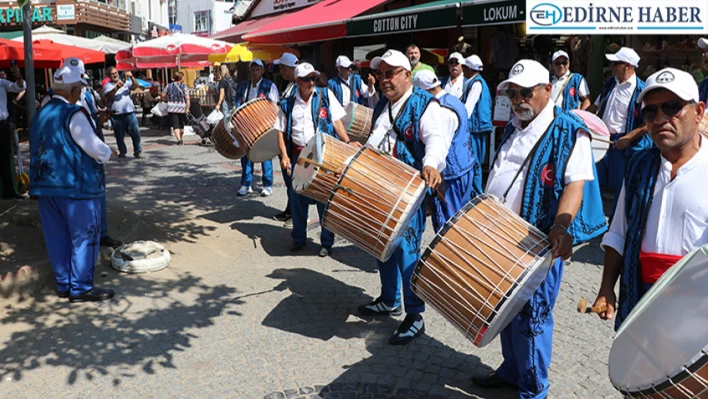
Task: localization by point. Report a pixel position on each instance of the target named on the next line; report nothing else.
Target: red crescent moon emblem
(409, 132)
(547, 175)
(358, 93)
(572, 91)
(323, 113)
(262, 95)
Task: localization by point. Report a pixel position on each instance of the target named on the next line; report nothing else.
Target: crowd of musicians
(544, 171)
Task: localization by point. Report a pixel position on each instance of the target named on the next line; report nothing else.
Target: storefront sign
(408, 22)
(607, 17)
(13, 15)
(65, 11)
(267, 7)
(494, 13)
(174, 28)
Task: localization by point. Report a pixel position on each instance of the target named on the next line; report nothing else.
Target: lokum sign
(610, 17)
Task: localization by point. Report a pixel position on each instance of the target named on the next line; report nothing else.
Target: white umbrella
(58, 36)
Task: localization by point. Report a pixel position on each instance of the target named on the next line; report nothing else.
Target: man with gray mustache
(544, 171)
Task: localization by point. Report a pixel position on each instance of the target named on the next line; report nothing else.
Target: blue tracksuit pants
(247, 174)
(299, 206)
(72, 232)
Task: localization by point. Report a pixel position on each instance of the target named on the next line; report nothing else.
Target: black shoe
(378, 308)
(492, 380)
(297, 246)
(110, 242)
(121, 157)
(283, 216)
(138, 155)
(411, 328)
(325, 251)
(61, 294)
(96, 294)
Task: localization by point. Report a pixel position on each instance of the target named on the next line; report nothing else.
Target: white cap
(257, 62)
(344, 61)
(457, 56)
(675, 80)
(394, 58)
(526, 73)
(75, 62)
(425, 80)
(703, 43)
(287, 59)
(474, 62)
(304, 70)
(625, 54)
(558, 54)
(69, 73)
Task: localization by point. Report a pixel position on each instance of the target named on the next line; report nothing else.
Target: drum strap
(560, 93)
(532, 153)
(394, 128)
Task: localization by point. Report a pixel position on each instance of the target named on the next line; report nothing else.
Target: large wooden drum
(373, 202)
(482, 268)
(357, 122)
(661, 349)
(318, 182)
(252, 124)
(226, 143)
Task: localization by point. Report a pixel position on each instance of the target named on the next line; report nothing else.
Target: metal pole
(29, 63)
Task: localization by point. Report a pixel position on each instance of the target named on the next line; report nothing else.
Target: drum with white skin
(599, 133)
(252, 125)
(661, 349)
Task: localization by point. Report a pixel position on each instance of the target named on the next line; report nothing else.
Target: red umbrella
(44, 56)
(86, 55)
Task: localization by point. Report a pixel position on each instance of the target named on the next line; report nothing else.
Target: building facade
(203, 17)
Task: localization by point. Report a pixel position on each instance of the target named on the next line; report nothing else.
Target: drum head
(666, 330)
(265, 148)
(599, 148)
(304, 174)
(528, 284)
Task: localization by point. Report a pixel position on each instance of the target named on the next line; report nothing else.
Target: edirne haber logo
(613, 17)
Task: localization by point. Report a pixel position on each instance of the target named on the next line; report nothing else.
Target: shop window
(202, 21)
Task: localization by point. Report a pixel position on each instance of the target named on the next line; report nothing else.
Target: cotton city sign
(607, 17)
(13, 15)
(394, 24)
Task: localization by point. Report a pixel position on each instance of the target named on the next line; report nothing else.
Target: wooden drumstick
(302, 161)
(583, 307)
(603, 140)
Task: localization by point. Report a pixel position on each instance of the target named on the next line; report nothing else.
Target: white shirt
(430, 132)
(473, 97)
(347, 92)
(303, 128)
(449, 120)
(455, 88)
(84, 135)
(513, 153)
(678, 217)
(5, 86)
(252, 91)
(617, 105)
(559, 84)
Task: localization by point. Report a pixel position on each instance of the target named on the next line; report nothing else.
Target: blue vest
(335, 85)
(703, 90)
(634, 118)
(325, 116)
(409, 149)
(93, 111)
(545, 180)
(460, 158)
(481, 118)
(640, 179)
(58, 166)
(242, 91)
(293, 89)
(445, 79)
(571, 92)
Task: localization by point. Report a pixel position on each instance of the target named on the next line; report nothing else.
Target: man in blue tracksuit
(66, 167)
(460, 165)
(348, 87)
(478, 102)
(545, 172)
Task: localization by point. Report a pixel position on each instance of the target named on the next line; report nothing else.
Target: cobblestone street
(236, 315)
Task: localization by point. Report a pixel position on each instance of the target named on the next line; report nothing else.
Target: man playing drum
(256, 87)
(660, 215)
(407, 125)
(544, 171)
(347, 86)
(300, 117)
(460, 165)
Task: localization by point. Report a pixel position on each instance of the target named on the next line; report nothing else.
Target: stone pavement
(238, 316)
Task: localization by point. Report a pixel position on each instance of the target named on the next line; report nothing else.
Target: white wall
(152, 10)
(220, 14)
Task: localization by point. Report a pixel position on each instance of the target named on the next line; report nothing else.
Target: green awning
(11, 34)
(439, 14)
(480, 13)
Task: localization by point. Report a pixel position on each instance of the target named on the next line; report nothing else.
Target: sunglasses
(525, 92)
(559, 63)
(312, 78)
(615, 63)
(388, 75)
(669, 108)
(453, 62)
